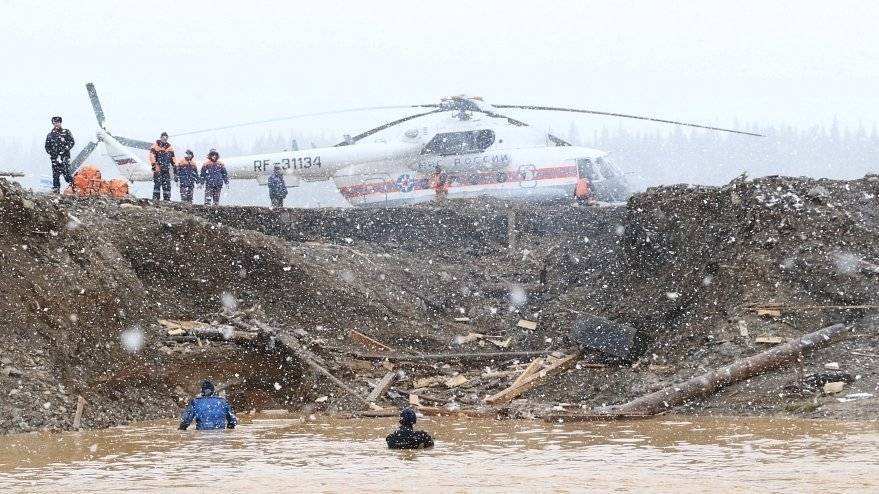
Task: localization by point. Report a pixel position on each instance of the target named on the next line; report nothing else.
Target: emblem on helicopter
(405, 183)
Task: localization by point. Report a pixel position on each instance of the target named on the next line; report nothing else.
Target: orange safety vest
(582, 190)
(439, 182)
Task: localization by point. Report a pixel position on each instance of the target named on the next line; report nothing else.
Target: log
(534, 380)
(382, 386)
(710, 382)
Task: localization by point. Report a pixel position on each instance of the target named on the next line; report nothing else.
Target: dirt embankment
(86, 280)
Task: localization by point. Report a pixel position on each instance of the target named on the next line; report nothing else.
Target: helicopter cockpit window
(607, 168)
(449, 143)
(587, 168)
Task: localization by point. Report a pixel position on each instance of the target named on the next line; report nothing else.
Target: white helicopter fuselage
(485, 156)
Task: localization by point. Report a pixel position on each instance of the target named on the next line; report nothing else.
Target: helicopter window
(606, 167)
(586, 168)
(449, 143)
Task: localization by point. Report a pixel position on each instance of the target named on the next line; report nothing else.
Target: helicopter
(482, 151)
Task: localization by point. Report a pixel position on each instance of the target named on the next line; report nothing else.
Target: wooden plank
(449, 356)
(771, 340)
(534, 380)
(77, 416)
(533, 367)
(382, 386)
(524, 323)
(774, 313)
(369, 342)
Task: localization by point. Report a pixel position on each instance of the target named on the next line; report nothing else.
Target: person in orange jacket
(162, 161)
(439, 182)
(582, 191)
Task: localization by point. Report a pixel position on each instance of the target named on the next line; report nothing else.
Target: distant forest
(650, 158)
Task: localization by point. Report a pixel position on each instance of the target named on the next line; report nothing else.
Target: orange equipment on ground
(87, 182)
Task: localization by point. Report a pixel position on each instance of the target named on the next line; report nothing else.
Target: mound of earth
(700, 272)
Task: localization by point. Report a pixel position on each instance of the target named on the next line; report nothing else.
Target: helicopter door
(527, 176)
(376, 184)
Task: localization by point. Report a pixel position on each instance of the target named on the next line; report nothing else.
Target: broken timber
(536, 379)
(381, 387)
(293, 345)
(709, 383)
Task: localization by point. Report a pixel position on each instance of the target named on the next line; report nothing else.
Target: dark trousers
(162, 180)
(60, 166)
(277, 202)
(212, 192)
(186, 193)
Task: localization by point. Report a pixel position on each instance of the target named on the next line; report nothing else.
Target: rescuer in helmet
(407, 438)
(209, 411)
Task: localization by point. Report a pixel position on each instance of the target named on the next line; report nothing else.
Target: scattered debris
(370, 342)
(599, 333)
(534, 380)
(854, 397)
(772, 313)
(833, 388)
(832, 366)
(526, 324)
(382, 386)
(769, 340)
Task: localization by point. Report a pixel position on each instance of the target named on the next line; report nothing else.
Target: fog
(797, 67)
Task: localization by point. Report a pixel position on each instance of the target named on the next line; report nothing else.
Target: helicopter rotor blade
(302, 115)
(133, 143)
(82, 156)
(555, 140)
(623, 115)
(385, 126)
(96, 104)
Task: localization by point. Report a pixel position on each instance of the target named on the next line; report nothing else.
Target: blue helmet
(407, 417)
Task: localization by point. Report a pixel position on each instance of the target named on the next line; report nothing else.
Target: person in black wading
(59, 142)
(162, 160)
(407, 438)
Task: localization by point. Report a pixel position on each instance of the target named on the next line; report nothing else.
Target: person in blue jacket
(277, 188)
(209, 411)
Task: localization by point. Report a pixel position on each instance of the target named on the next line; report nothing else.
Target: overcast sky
(179, 66)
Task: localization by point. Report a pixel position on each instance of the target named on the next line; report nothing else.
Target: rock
(11, 371)
(833, 388)
(5, 361)
(818, 192)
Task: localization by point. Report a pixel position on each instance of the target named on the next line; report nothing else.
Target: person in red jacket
(162, 161)
(213, 176)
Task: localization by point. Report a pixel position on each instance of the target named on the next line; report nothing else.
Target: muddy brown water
(271, 454)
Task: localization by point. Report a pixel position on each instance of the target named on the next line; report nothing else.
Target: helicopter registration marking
(287, 163)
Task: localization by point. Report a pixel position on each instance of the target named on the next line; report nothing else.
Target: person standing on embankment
(187, 176)
(213, 176)
(59, 142)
